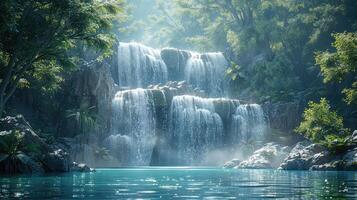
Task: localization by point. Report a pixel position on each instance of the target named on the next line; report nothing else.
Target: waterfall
(249, 125)
(207, 72)
(195, 128)
(133, 127)
(155, 126)
(139, 66)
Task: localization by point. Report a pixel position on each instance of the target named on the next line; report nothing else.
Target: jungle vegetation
(279, 50)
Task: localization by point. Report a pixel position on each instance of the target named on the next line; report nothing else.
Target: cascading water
(155, 126)
(207, 71)
(249, 125)
(139, 66)
(195, 128)
(133, 127)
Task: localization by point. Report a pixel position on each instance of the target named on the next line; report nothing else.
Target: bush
(323, 126)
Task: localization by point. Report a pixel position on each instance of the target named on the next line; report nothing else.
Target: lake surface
(182, 183)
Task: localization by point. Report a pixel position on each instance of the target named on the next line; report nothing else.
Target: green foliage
(273, 42)
(84, 117)
(11, 144)
(341, 65)
(234, 71)
(336, 144)
(37, 36)
(322, 125)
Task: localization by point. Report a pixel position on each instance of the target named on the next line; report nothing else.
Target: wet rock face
(175, 88)
(175, 61)
(269, 156)
(284, 116)
(304, 155)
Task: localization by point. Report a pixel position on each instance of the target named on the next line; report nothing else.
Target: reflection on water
(182, 183)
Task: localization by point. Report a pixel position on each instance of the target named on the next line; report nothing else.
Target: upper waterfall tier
(141, 66)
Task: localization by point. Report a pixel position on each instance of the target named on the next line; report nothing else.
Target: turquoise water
(182, 183)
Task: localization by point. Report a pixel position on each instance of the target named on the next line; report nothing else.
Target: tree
(36, 36)
(320, 123)
(341, 66)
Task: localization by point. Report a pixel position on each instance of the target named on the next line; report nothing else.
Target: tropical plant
(84, 117)
(13, 150)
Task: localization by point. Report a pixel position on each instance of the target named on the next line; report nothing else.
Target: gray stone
(333, 165)
(57, 161)
(231, 164)
(269, 156)
(81, 167)
(305, 155)
(350, 159)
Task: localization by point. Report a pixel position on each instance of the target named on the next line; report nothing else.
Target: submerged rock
(269, 156)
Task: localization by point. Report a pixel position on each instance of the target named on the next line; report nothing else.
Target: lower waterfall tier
(162, 127)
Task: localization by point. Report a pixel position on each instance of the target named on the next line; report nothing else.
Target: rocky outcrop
(57, 161)
(175, 60)
(175, 88)
(81, 167)
(304, 155)
(232, 164)
(23, 151)
(308, 156)
(268, 157)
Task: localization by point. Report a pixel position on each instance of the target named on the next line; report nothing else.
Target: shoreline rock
(30, 154)
(267, 157)
(81, 167)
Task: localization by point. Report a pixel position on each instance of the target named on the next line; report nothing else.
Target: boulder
(347, 161)
(350, 159)
(269, 156)
(231, 164)
(81, 167)
(57, 161)
(305, 155)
